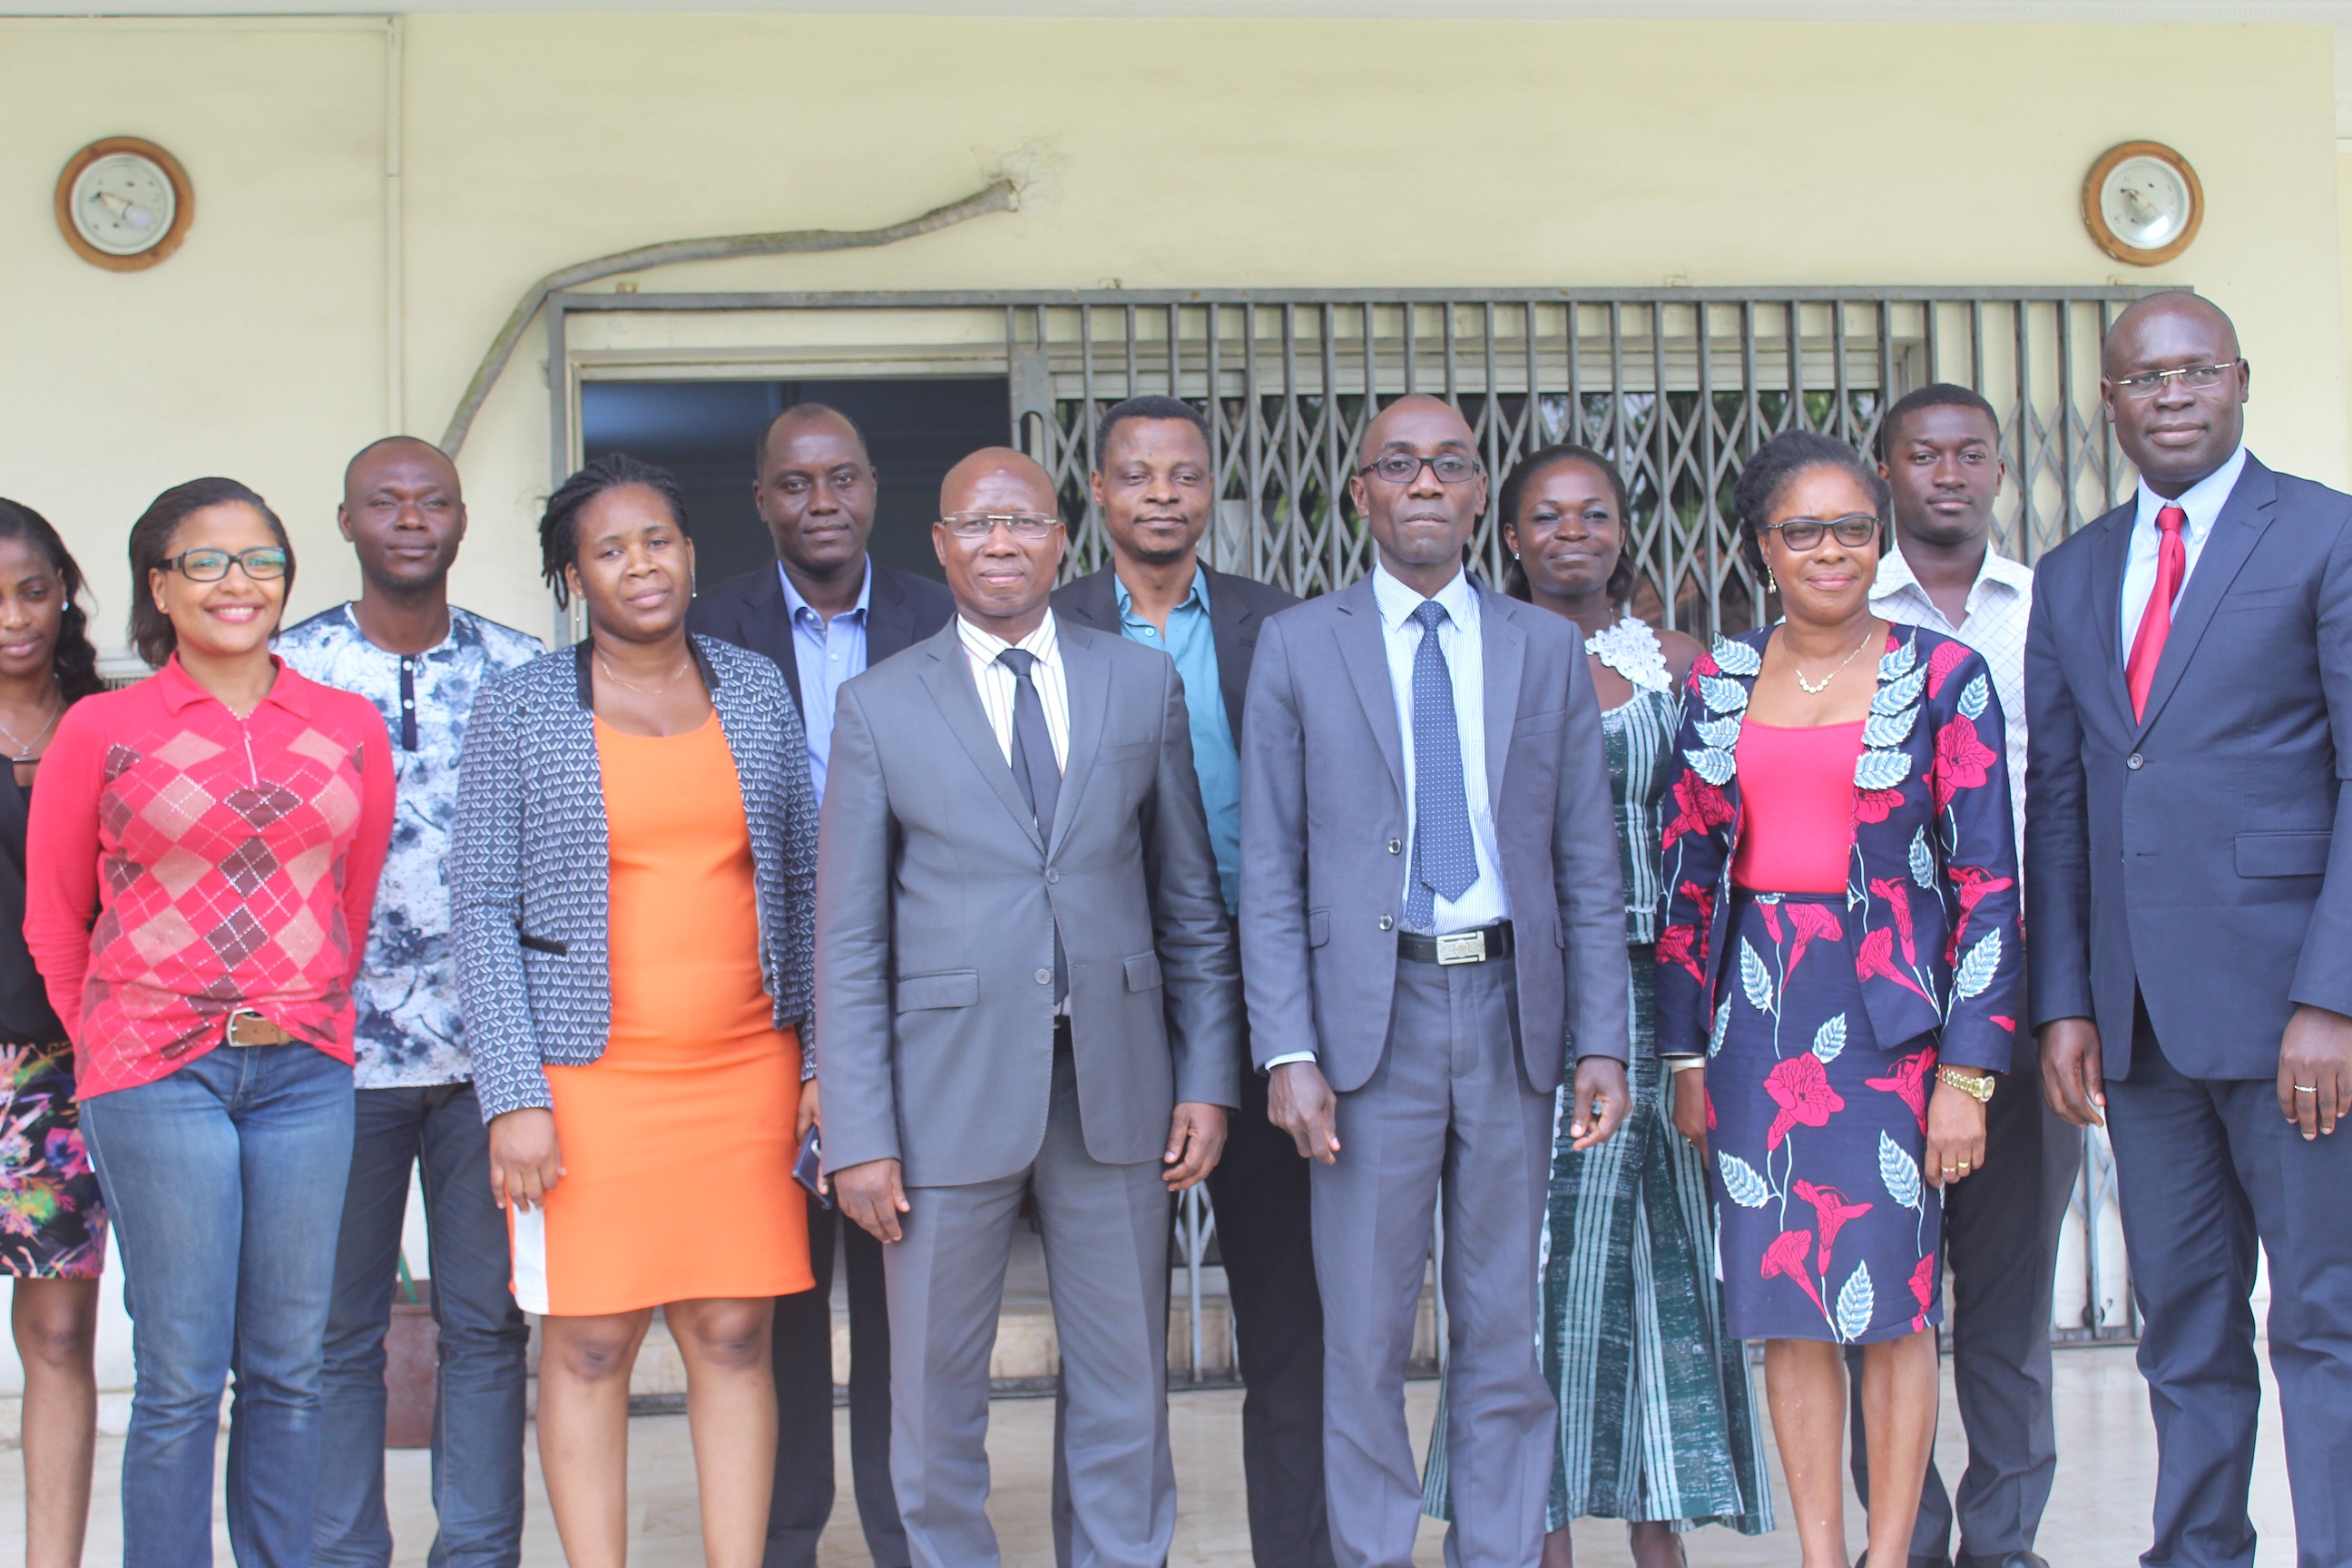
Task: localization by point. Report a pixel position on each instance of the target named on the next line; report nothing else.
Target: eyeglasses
(263, 563)
(1404, 468)
(1804, 533)
(980, 524)
(2195, 377)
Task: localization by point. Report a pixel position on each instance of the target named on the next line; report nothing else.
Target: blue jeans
(225, 1181)
(478, 1411)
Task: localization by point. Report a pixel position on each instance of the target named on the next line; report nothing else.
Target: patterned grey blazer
(530, 863)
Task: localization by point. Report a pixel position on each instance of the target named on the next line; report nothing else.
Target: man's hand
(1196, 1137)
(1690, 1108)
(1300, 1102)
(872, 1194)
(525, 1163)
(1956, 1136)
(806, 1116)
(1602, 1101)
(2072, 1079)
(2315, 1077)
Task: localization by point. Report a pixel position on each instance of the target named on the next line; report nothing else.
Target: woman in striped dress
(1656, 1422)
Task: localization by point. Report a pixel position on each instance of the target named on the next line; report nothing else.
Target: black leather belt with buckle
(1458, 946)
(247, 1028)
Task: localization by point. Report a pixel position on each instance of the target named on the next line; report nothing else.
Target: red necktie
(2155, 621)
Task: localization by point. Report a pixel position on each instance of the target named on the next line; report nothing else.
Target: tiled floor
(2098, 1515)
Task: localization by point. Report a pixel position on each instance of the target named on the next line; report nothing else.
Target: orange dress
(677, 1142)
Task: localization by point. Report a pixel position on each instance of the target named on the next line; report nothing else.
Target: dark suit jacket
(748, 611)
(2192, 854)
(1238, 607)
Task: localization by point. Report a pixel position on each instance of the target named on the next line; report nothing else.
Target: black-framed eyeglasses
(2195, 377)
(980, 524)
(262, 563)
(1803, 533)
(1404, 468)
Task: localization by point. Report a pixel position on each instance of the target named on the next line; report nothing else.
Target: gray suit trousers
(1106, 1230)
(1447, 1112)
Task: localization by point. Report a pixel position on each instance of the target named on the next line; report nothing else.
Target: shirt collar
(2202, 500)
(985, 646)
(1894, 574)
(1197, 599)
(1397, 602)
(350, 614)
(179, 691)
(795, 606)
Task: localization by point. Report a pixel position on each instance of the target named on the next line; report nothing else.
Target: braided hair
(558, 524)
(1781, 460)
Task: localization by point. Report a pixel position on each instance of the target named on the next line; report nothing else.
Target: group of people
(835, 913)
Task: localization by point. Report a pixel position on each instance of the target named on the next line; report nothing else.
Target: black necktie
(1037, 774)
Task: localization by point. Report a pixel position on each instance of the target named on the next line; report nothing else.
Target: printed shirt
(1191, 642)
(230, 863)
(825, 654)
(407, 1033)
(1999, 603)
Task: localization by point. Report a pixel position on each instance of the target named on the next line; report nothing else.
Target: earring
(1515, 555)
(1771, 584)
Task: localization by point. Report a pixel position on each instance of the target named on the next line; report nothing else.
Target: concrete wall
(1173, 152)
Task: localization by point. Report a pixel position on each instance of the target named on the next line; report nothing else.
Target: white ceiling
(2334, 11)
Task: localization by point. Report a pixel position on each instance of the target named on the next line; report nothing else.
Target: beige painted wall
(1179, 152)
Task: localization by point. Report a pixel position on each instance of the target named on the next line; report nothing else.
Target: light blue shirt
(1484, 901)
(2203, 502)
(827, 653)
(1191, 642)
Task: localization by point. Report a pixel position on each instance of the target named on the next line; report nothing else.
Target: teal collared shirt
(1191, 642)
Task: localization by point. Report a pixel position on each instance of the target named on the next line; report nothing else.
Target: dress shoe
(1918, 1560)
(2014, 1560)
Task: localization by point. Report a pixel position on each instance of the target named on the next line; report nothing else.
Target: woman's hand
(1690, 1107)
(1956, 1136)
(525, 1163)
(806, 1116)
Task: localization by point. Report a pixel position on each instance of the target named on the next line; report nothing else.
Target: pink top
(1796, 793)
(183, 862)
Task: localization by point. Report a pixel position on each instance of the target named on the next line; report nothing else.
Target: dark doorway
(703, 432)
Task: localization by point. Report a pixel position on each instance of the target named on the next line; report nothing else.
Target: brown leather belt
(247, 1028)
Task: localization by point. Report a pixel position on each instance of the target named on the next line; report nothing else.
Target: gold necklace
(661, 690)
(1812, 690)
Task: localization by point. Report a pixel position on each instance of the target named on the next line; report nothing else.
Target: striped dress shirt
(997, 685)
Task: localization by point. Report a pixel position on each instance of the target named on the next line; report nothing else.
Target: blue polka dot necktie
(1443, 862)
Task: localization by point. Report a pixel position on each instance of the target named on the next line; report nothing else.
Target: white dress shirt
(997, 685)
(2202, 501)
(1992, 621)
(1484, 901)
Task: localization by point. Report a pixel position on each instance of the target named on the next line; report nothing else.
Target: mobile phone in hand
(809, 1169)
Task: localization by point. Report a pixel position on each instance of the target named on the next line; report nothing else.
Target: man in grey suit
(1026, 984)
(1431, 909)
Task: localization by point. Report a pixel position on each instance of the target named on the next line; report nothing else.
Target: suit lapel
(1086, 678)
(2107, 596)
(947, 674)
(1233, 630)
(889, 626)
(1365, 652)
(2235, 533)
(1503, 653)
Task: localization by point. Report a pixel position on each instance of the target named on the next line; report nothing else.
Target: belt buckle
(1462, 947)
(229, 1037)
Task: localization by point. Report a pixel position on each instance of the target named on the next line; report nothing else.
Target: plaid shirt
(229, 861)
(409, 1034)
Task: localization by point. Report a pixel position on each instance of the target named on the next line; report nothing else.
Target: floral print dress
(1823, 1017)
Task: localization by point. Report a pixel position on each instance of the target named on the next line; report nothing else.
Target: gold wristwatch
(1977, 1086)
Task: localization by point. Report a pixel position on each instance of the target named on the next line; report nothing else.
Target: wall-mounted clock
(124, 204)
(2142, 203)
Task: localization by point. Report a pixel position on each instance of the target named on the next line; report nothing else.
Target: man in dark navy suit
(1158, 491)
(825, 611)
(2189, 674)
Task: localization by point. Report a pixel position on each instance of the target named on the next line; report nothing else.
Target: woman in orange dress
(632, 879)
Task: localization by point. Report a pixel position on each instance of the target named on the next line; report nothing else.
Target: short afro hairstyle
(1150, 406)
(1514, 495)
(1781, 460)
(558, 525)
(1934, 394)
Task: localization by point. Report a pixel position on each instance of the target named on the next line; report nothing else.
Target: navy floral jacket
(1931, 876)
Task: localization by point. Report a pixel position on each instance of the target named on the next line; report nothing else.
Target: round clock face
(124, 204)
(2146, 203)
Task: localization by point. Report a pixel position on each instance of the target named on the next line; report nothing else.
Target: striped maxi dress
(1657, 1418)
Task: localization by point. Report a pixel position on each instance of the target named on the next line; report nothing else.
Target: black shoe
(2014, 1560)
(1917, 1561)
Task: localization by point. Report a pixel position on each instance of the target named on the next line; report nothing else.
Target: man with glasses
(421, 660)
(1431, 907)
(2188, 669)
(1154, 481)
(1025, 987)
(823, 612)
